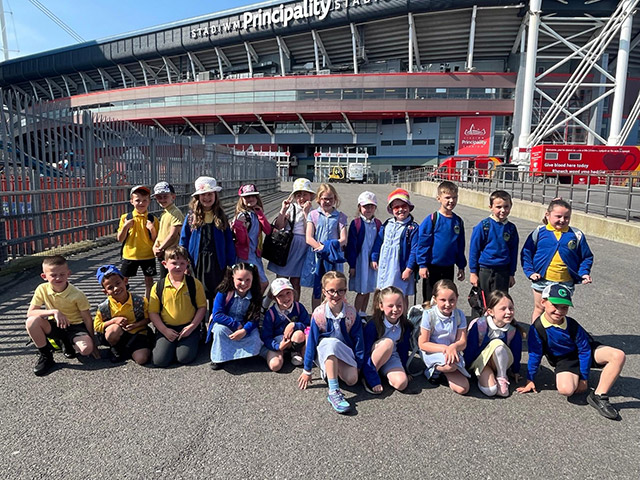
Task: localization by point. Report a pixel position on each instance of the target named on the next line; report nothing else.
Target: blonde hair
(447, 187)
(325, 187)
(176, 253)
(333, 275)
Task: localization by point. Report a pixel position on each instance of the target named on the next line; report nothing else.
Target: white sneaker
(296, 360)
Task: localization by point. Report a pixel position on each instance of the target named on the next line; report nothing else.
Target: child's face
(368, 211)
(502, 313)
(207, 200)
(285, 299)
(56, 275)
(140, 202)
(250, 201)
(392, 305)
(116, 287)
(334, 291)
(242, 280)
(165, 199)
(559, 217)
(446, 301)
(554, 313)
(302, 197)
(327, 200)
(400, 209)
(501, 208)
(176, 267)
(448, 201)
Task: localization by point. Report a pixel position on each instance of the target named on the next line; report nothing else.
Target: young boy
(121, 320)
(441, 242)
(493, 249)
(170, 222)
(137, 232)
(60, 311)
(572, 352)
(176, 308)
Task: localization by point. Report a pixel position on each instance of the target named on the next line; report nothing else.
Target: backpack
(321, 319)
(572, 328)
(536, 233)
(357, 223)
(434, 220)
(433, 319)
(191, 287)
(483, 327)
(138, 308)
(129, 217)
(297, 309)
(486, 226)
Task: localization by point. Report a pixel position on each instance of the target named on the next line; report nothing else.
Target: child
(247, 227)
(441, 242)
(555, 253)
(443, 337)
(394, 251)
(293, 212)
(236, 316)
(572, 352)
(207, 236)
(494, 344)
(386, 342)
(170, 222)
(65, 317)
(335, 341)
(362, 235)
(326, 235)
(121, 320)
(176, 308)
(493, 249)
(284, 325)
(137, 232)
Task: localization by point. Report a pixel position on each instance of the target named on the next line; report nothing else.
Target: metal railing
(615, 195)
(65, 175)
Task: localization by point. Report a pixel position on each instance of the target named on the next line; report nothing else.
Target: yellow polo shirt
(138, 245)
(177, 308)
(557, 271)
(546, 323)
(121, 310)
(71, 301)
(171, 217)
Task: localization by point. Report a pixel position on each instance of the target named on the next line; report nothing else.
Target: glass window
(333, 94)
(373, 93)
(399, 142)
(385, 143)
(352, 94)
(395, 93)
(285, 96)
(243, 97)
(267, 96)
(307, 94)
(224, 98)
(419, 142)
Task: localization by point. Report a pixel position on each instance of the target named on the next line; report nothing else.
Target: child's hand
(306, 207)
(170, 334)
(586, 279)
(151, 227)
(460, 274)
(257, 209)
(319, 248)
(128, 224)
(406, 274)
(284, 344)
(529, 387)
(303, 380)
(473, 279)
(238, 334)
(534, 277)
(451, 355)
(288, 330)
(186, 331)
(158, 252)
(61, 319)
(423, 272)
(374, 265)
(285, 205)
(512, 281)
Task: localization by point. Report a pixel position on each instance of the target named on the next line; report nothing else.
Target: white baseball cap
(206, 185)
(280, 284)
(367, 198)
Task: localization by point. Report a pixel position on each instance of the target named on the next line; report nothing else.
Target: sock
(489, 391)
(46, 350)
(501, 359)
(333, 385)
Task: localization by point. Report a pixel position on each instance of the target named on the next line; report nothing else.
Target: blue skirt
(223, 349)
(295, 260)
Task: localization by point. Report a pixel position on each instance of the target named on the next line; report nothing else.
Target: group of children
(212, 268)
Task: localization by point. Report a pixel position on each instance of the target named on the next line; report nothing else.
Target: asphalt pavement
(93, 419)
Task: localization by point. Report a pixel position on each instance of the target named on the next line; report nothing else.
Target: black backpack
(129, 217)
(191, 287)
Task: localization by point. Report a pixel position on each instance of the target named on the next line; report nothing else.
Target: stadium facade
(409, 82)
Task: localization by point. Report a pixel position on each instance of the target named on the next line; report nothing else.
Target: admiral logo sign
(474, 136)
(280, 16)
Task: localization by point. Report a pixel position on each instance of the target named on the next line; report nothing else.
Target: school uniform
(71, 302)
(399, 357)
(444, 333)
(171, 217)
(299, 248)
(276, 320)
(137, 249)
(247, 240)
(479, 351)
(358, 254)
(130, 340)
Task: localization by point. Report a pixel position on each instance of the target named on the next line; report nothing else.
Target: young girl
(326, 235)
(236, 316)
(335, 341)
(493, 344)
(362, 234)
(394, 251)
(293, 213)
(207, 236)
(284, 325)
(386, 342)
(443, 337)
(250, 221)
(555, 253)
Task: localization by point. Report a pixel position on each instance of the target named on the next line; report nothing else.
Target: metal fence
(615, 195)
(65, 175)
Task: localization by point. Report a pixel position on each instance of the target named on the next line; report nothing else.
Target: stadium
(400, 83)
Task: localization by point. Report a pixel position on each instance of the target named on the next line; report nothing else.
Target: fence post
(90, 172)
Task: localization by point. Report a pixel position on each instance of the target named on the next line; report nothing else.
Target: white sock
(489, 391)
(501, 359)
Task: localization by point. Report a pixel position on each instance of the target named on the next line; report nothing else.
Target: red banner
(474, 136)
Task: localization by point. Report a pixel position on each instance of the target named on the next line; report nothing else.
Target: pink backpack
(321, 319)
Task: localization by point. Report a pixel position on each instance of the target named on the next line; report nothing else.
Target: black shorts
(130, 267)
(69, 333)
(571, 363)
(129, 342)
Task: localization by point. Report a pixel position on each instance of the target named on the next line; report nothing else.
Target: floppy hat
(280, 284)
(302, 185)
(140, 188)
(367, 198)
(206, 185)
(163, 187)
(557, 294)
(399, 194)
(107, 270)
(248, 190)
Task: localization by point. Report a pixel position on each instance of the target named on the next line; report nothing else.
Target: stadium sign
(280, 16)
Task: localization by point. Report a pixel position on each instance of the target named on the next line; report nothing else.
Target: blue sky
(31, 31)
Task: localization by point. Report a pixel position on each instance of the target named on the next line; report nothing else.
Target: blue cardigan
(370, 337)
(442, 244)
(494, 245)
(408, 247)
(576, 255)
(225, 249)
(475, 347)
(355, 240)
(219, 315)
(274, 324)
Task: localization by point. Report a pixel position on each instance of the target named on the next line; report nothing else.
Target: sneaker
(68, 351)
(44, 364)
(367, 388)
(296, 360)
(116, 355)
(503, 386)
(601, 403)
(337, 401)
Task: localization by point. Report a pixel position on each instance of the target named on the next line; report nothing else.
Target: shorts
(130, 267)
(67, 334)
(129, 342)
(540, 285)
(571, 363)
